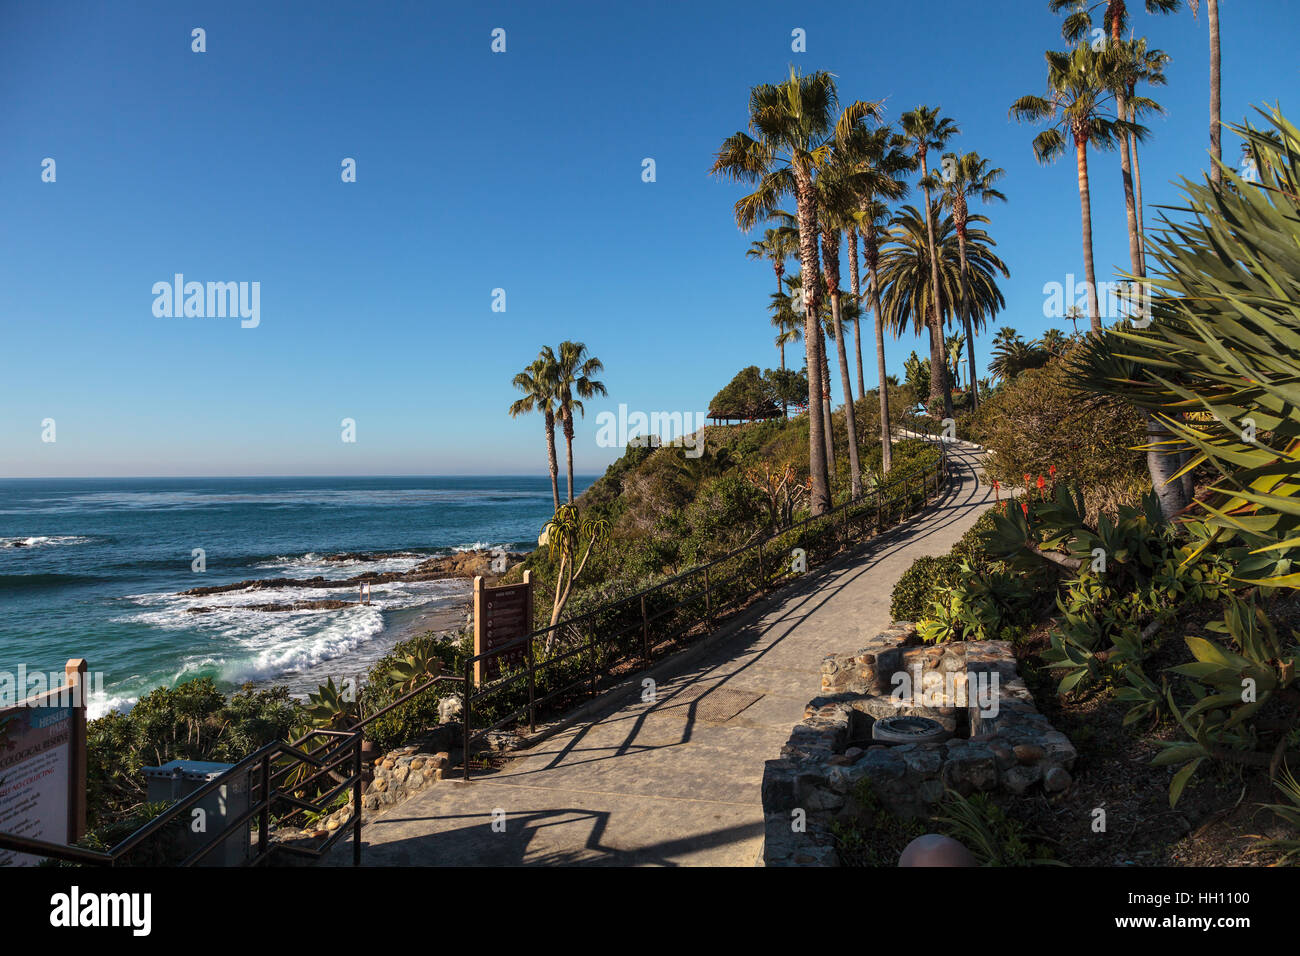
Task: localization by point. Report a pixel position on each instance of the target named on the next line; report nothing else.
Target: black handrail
(260, 808)
(877, 497)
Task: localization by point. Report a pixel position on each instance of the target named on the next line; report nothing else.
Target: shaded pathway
(676, 783)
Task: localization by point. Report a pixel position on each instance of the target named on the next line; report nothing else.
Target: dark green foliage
(914, 593)
(984, 828)
(748, 396)
(192, 721)
(409, 720)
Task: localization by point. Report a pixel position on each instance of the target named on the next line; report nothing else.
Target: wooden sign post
(501, 615)
(43, 764)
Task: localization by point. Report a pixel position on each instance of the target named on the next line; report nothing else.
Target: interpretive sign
(501, 615)
(43, 766)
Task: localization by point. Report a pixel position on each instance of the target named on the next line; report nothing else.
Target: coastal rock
(460, 564)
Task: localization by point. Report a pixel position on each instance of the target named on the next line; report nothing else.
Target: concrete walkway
(675, 783)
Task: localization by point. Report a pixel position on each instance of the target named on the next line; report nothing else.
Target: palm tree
(537, 382)
(838, 205)
(953, 343)
(1077, 25)
(786, 320)
(906, 274)
(1216, 146)
(882, 162)
(1074, 314)
(1141, 64)
(1054, 341)
(970, 178)
(792, 123)
(795, 284)
(925, 130)
(573, 372)
(777, 245)
(1078, 88)
(1013, 355)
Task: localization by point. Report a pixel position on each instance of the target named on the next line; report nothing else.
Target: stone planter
(998, 742)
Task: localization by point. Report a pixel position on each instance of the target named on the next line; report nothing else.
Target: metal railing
(272, 788)
(710, 593)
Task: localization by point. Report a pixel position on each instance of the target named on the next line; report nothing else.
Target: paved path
(675, 783)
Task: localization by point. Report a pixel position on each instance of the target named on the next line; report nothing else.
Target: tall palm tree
(537, 382)
(906, 274)
(970, 178)
(777, 245)
(792, 124)
(882, 163)
(1077, 25)
(573, 371)
(838, 204)
(1078, 92)
(1140, 65)
(925, 130)
(1216, 86)
(796, 286)
(786, 320)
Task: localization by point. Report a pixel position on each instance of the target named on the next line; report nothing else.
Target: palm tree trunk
(1216, 146)
(1141, 220)
(1130, 204)
(871, 253)
(567, 423)
(550, 458)
(966, 320)
(938, 353)
(856, 289)
(806, 207)
(1162, 466)
(780, 341)
(785, 411)
(830, 416)
(855, 470)
(1085, 206)
(831, 253)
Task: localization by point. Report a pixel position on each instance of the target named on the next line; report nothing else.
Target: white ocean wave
(44, 541)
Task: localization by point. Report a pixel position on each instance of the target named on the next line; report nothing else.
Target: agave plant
(421, 665)
(331, 707)
(1218, 365)
(1290, 812)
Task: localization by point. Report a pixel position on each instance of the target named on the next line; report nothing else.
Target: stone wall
(998, 741)
(389, 780)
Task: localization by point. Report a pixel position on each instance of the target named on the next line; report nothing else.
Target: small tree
(569, 539)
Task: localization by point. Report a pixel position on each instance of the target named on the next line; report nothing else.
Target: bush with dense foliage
(1038, 420)
(192, 721)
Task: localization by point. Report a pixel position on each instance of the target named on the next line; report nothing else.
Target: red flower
(1026, 481)
(1052, 471)
(1025, 508)
(1041, 483)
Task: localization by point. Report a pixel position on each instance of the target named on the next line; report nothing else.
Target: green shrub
(915, 591)
(408, 721)
(1038, 420)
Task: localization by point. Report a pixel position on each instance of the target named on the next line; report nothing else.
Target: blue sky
(475, 171)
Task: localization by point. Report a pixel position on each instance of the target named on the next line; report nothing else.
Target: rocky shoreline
(461, 564)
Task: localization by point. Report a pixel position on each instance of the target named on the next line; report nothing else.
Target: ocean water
(92, 568)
